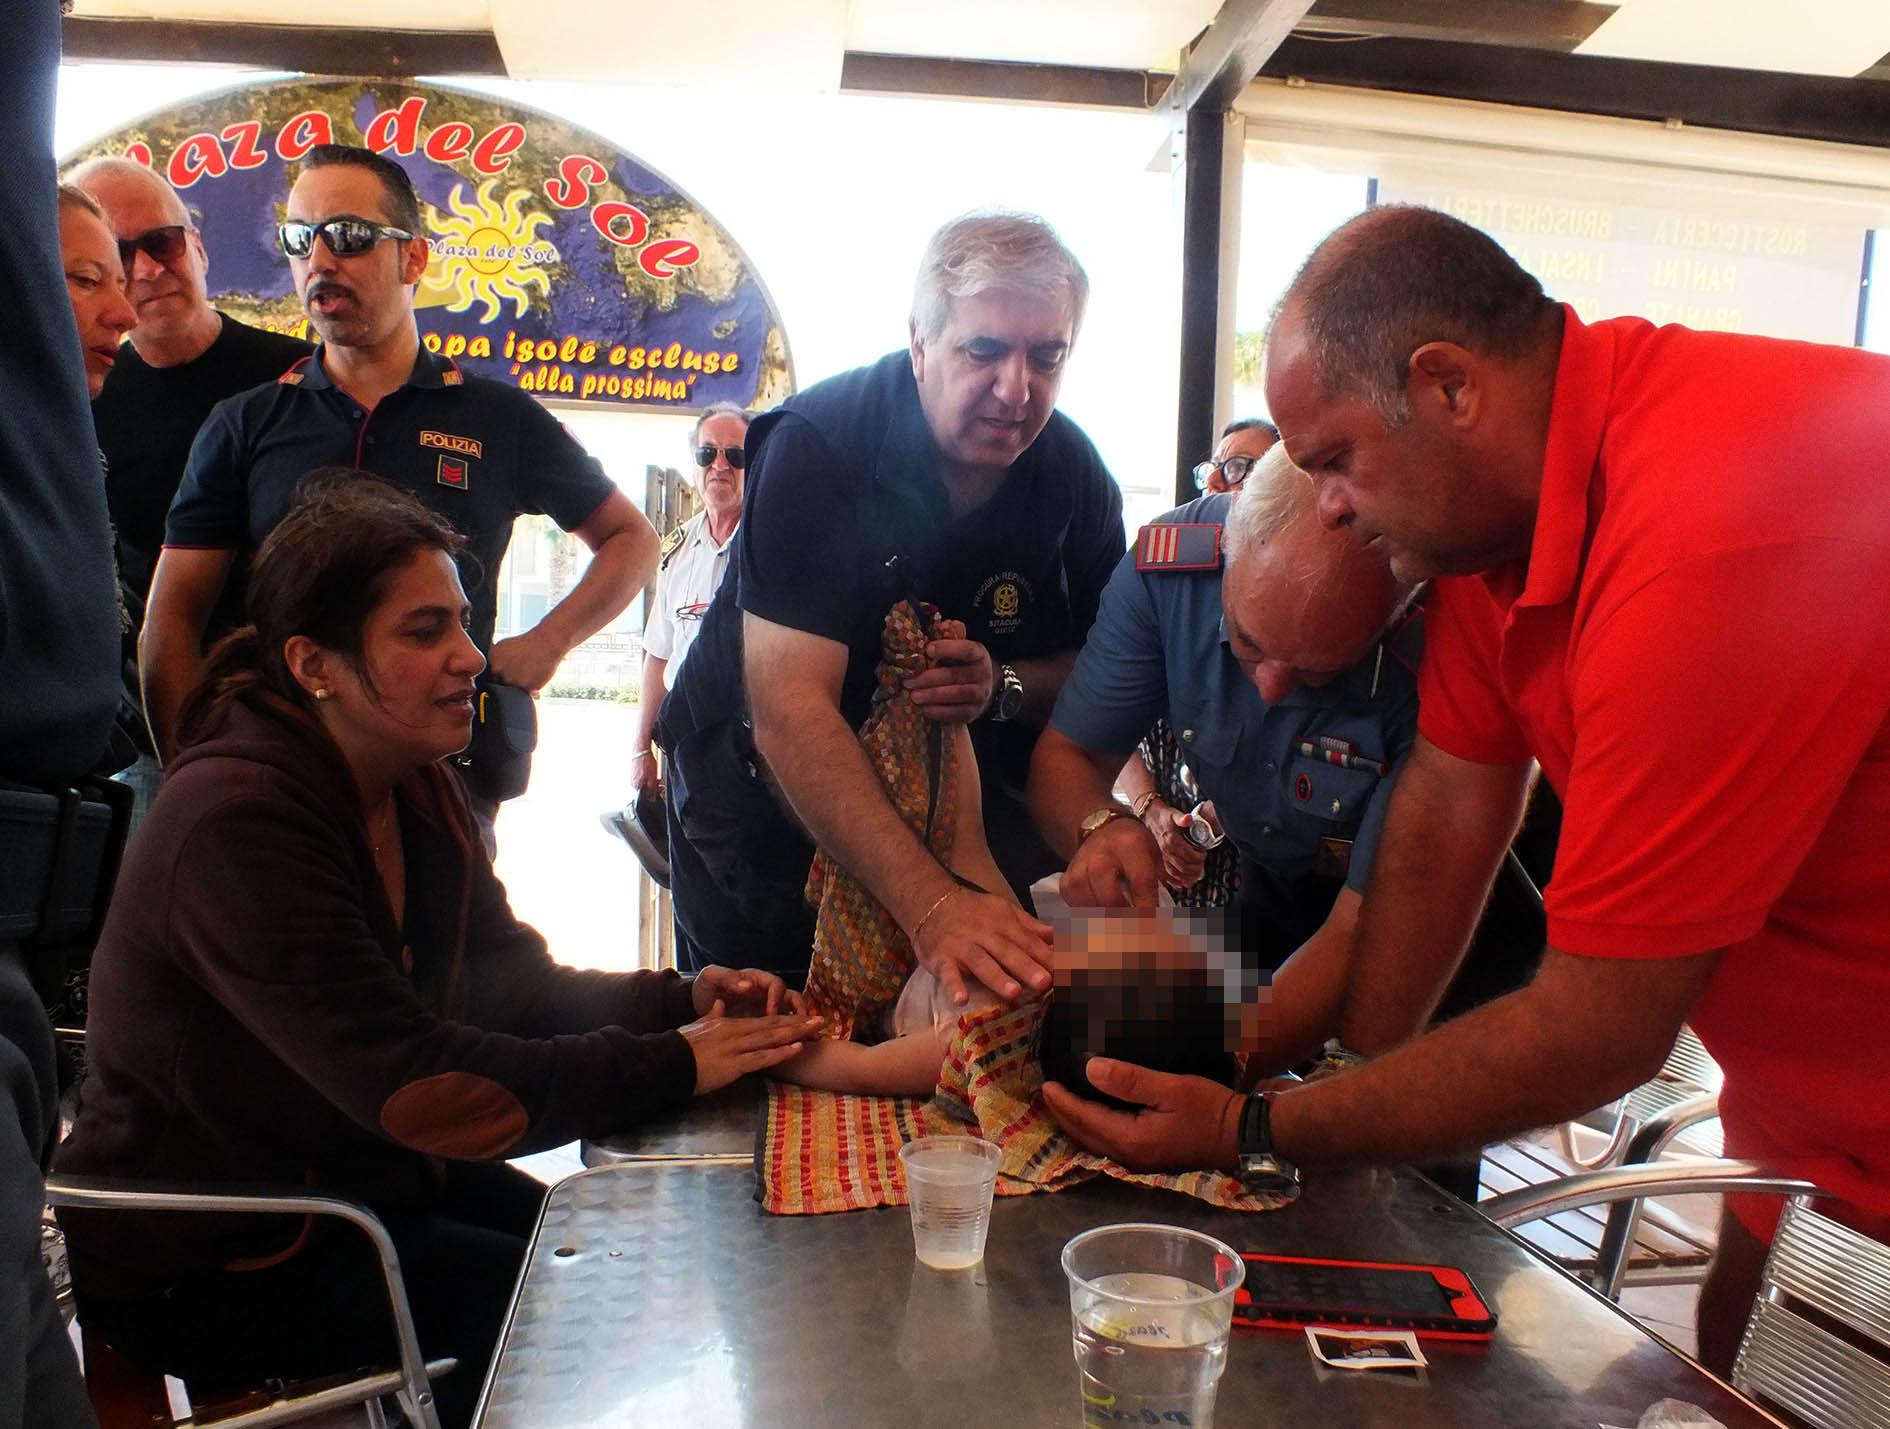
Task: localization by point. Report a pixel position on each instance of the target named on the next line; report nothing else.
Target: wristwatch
(1007, 697)
(1093, 822)
(1262, 1169)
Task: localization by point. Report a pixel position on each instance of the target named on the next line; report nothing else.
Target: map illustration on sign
(559, 263)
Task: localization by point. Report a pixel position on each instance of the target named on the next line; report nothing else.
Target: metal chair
(1680, 1105)
(410, 1383)
(1819, 1274)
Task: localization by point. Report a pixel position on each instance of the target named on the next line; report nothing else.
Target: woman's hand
(1183, 860)
(726, 1048)
(752, 992)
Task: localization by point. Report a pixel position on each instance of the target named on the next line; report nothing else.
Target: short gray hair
(719, 409)
(1385, 283)
(1275, 494)
(111, 166)
(991, 249)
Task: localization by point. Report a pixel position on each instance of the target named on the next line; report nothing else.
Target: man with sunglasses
(695, 558)
(184, 357)
(479, 452)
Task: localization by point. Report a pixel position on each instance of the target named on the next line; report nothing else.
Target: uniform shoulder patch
(1178, 546)
(671, 544)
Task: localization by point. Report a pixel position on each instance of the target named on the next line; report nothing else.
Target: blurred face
(989, 381)
(1249, 445)
(1304, 608)
(169, 293)
(1409, 492)
(721, 483)
(411, 699)
(96, 285)
(364, 300)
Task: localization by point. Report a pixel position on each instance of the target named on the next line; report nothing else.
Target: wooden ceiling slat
(1850, 111)
(314, 49)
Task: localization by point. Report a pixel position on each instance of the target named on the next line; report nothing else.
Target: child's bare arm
(903, 1067)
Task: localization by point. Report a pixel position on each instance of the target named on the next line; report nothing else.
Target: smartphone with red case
(1432, 1301)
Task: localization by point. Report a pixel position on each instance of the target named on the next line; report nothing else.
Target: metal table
(719, 1127)
(659, 1293)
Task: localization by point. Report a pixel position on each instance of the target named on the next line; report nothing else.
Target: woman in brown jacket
(310, 975)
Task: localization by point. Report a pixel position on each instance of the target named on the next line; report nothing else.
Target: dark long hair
(320, 574)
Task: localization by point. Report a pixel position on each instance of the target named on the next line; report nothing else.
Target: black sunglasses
(345, 237)
(161, 245)
(705, 455)
(1234, 469)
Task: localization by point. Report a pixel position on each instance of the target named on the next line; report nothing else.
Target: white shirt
(685, 583)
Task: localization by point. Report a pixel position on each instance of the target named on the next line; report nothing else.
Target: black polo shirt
(845, 513)
(478, 452)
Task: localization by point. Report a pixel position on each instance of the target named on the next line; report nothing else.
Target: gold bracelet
(919, 926)
(1140, 807)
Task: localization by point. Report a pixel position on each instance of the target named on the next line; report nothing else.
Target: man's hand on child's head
(974, 935)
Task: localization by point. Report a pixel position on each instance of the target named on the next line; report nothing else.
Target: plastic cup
(950, 1181)
(1150, 1311)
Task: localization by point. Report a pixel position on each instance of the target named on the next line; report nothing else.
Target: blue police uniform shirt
(1158, 648)
(845, 514)
(478, 452)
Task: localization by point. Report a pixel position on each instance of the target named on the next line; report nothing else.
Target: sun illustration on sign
(486, 251)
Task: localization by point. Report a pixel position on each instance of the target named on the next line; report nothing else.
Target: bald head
(167, 270)
(1395, 278)
(1302, 603)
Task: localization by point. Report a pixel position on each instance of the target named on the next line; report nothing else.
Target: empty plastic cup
(950, 1181)
(1150, 1310)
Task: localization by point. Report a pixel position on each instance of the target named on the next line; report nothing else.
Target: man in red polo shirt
(1666, 562)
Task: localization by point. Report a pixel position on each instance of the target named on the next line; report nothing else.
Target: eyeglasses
(345, 237)
(705, 455)
(161, 245)
(1234, 471)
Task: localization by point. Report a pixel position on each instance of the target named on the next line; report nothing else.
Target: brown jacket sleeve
(269, 914)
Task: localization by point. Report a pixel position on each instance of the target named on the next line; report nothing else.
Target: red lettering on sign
(196, 157)
(604, 219)
(572, 187)
(247, 154)
(662, 258)
(493, 153)
(397, 129)
(302, 133)
(449, 143)
(139, 153)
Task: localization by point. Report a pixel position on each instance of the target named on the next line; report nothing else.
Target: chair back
(1818, 1271)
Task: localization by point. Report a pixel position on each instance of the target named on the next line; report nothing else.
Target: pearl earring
(322, 693)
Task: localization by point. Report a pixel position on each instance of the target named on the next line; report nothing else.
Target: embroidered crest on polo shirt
(1005, 601)
(452, 472)
(1178, 546)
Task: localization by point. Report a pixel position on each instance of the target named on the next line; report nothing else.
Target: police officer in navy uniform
(477, 451)
(1289, 683)
(941, 472)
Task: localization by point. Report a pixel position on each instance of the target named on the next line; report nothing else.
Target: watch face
(1269, 1175)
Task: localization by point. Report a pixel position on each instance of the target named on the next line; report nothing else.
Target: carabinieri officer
(1289, 680)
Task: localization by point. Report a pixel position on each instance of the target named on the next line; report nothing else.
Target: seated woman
(310, 975)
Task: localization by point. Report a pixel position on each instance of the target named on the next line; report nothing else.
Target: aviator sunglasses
(1234, 469)
(705, 455)
(345, 237)
(162, 245)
